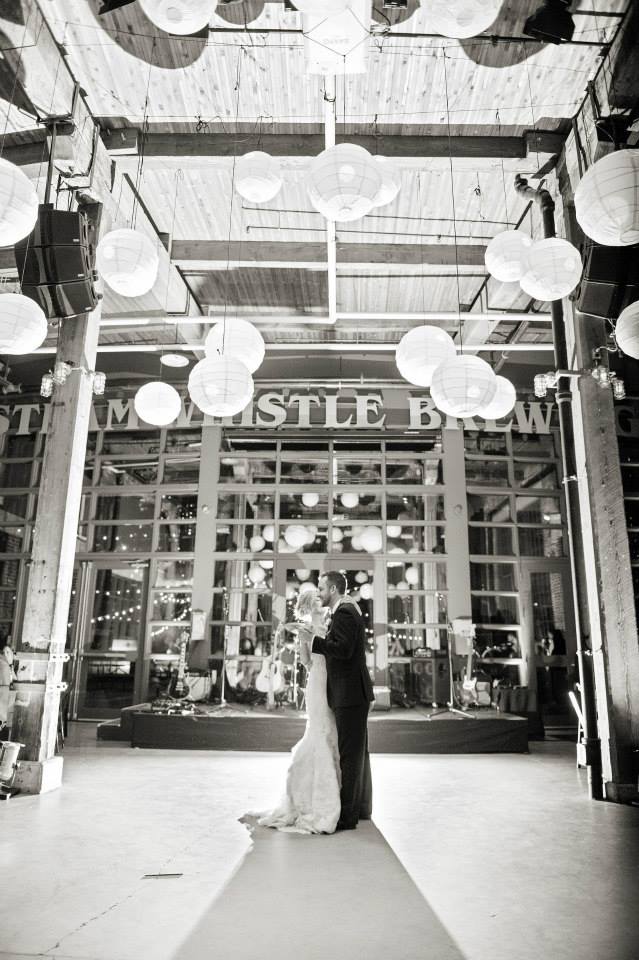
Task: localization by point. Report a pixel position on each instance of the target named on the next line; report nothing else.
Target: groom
(349, 692)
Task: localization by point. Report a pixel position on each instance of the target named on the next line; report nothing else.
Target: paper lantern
(256, 573)
(626, 330)
(607, 199)
(23, 325)
(18, 204)
(174, 360)
(401, 585)
(361, 576)
(502, 403)
(257, 543)
(343, 182)
(284, 547)
(257, 177)
(296, 536)
(267, 564)
(371, 539)
(337, 535)
(390, 182)
(236, 338)
(504, 255)
(220, 386)
(551, 269)
(128, 261)
(291, 590)
(461, 19)
(349, 500)
(463, 385)
(268, 532)
(310, 499)
(311, 533)
(183, 17)
(157, 403)
(356, 542)
(303, 574)
(421, 351)
(318, 8)
(411, 576)
(366, 591)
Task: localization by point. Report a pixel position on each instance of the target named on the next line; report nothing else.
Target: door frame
(551, 565)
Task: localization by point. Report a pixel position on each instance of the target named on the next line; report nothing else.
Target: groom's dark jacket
(348, 681)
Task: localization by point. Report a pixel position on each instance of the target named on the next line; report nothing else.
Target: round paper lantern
(421, 351)
(337, 535)
(401, 585)
(236, 338)
(310, 499)
(349, 500)
(337, 547)
(366, 591)
(296, 536)
(291, 590)
(256, 573)
(220, 386)
(411, 576)
(461, 19)
(343, 182)
(319, 8)
(356, 542)
(18, 204)
(311, 533)
(302, 574)
(258, 177)
(551, 269)
(371, 539)
(157, 403)
(463, 385)
(502, 403)
(128, 261)
(626, 330)
(257, 543)
(268, 532)
(390, 182)
(283, 546)
(267, 564)
(504, 255)
(182, 17)
(23, 325)
(607, 200)
(361, 576)
(393, 530)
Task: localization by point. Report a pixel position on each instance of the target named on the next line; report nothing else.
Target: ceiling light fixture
(174, 360)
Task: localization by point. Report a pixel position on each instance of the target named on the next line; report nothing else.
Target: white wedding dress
(312, 800)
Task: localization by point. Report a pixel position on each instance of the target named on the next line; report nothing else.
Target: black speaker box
(54, 264)
(63, 300)
(610, 281)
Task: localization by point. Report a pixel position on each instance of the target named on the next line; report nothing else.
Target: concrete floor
(489, 857)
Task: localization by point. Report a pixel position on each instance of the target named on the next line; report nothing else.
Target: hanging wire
(503, 174)
(452, 193)
(179, 175)
(143, 140)
(238, 78)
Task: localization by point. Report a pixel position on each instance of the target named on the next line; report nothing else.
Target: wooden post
(202, 596)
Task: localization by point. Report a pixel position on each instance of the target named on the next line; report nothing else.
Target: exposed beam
(312, 347)
(448, 320)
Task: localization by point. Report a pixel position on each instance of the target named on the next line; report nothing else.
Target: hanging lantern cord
(452, 191)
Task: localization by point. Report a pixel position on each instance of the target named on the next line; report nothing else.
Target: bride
(312, 800)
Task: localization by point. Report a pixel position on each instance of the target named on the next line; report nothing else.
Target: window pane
(401, 539)
(178, 506)
(420, 575)
(361, 470)
(497, 643)
(305, 470)
(413, 471)
(13, 446)
(301, 506)
(7, 604)
(495, 609)
(404, 641)
(491, 541)
(542, 475)
(540, 543)
(173, 573)
(252, 605)
(488, 473)
(136, 444)
(494, 443)
(549, 623)
(119, 473)
(117, 610)
(493, 576)
(125, 508)
(183, 439)
(11, 540)
(176, 538)
(15, 474)
(630, 479)
(166, 639)
(351, 505)
(171, 605)
(408, 508)
(539, 445)
(489, 508)
(9, 572)
(13, 508)
(411, 608)
(132, 538)
(181, 470)
(246, 506)
(247, 470)
(538, 510)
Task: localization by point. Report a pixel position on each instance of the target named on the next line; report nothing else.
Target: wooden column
(202, 596)
(456, 506)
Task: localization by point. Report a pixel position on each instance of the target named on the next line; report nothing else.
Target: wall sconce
(61, 373)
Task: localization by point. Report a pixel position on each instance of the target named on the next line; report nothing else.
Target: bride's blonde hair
(306, 601)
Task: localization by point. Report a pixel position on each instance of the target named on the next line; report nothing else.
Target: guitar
(178, 689)
(270, 679)
(474, 692)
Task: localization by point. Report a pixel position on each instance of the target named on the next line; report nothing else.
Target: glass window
(301, 506)
(243, 640)
(494, 609)
(166, 638)
(15, 474)
(404, 641)
(489, 508)
(316, 539)
(171, 605)
(487, 473)
(415, 539)
(237, 536)
(176, 538)
(421, 575)
(9, 572)
(536, 475)
(181, 470)
(351, 505)
(246, 506)
(117, 611)
(138, 443)
(497, 644)
(173, 573)
(412, 608)
(236, 469)
(491, 541)
(183, 439)
(544, 510)
(132, 538)
(414, 471)
(538, 542)
(305, 469)
(493, 576)
(630, 479)
(549, 624)
(354, 471)
(632, 512)
(484, 442)
(7, 604)
(125, 507)
(408, 508)
(120, 473)
(178, 506)
(13, 508)
(11, 539)
(540, 445)
(13, 446)
(249, 604)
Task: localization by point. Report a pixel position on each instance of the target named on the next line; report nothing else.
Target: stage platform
(235, 727)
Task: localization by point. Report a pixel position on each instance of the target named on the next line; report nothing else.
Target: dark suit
(349, 692)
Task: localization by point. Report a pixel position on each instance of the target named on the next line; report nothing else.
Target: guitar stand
(450, 703)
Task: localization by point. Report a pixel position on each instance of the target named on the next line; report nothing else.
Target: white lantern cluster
(343, 182)
(182, 17)
(23, 325)
(18, 204)
(607, 200)
(462, 19)
(547, 269)
(258, 177)
(236, 338)
(627, 330)
(421, 351)
(256, 573)
(157, 403)
(220, 386)
(128, 261)
(504, 255)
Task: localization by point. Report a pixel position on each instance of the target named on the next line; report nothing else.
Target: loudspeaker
(610, 281)
(429, 679)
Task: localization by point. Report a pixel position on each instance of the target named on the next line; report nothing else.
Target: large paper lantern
(182, 17)
(461, 19)
(296, 536)
(23, 325)
(303, 574)
(551, 269)
(220, 386)
(371, 539)
(626, 330)
(268, 532)
(349, 500)
(393, 530)
(310, 499)
(607, 199)
(463, 385)
(502, 403)
(411, 575)
(157, 403)
(366, 591)
(343, 182)
(256, 573)
(318, 8)
(337, 535)
(390, 182)
(128, 261)
(18, 204)
(421, 351)
(504, 255)
(236, 338)
(257, 543)
(258, 177)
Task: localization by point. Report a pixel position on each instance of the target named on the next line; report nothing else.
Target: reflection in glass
(246, 506)
(181, 470)
(488, 473)
(125, 507)
(536, 475)
(13, 508)
(491, 443)
(176, 538)
(138, 443)
(419, 575)
(404, 640)
(15, 474)
(538, 510)
(535, 542)
(173, 573)
(409, 508)
(354, 505)
(357, 471)
(247, 470)
(120, 473)
(171, 605)
(497, 643)
(495, 609)
(117, 610)
(178, 506)
(132, 538)
(489, 508)
(108, 685)
(165, 638)
(539, 445)
(12, 539)
(304, 469)
(412, 608)
(493, 576)
(491, 541)
(304, 506)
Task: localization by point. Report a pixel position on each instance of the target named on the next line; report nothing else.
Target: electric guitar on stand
(178, 688)
(270, 679)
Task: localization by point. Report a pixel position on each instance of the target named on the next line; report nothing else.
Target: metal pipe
(592, 743)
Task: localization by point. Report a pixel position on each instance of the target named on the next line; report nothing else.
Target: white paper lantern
(18, 204)
(626, 330)
(310, 499)
(411, 576)
(337, 535)
(220, 386)
(356, 542)
(291, 590)
(607, 199)
(236, 338)
(390, 182)
(23, 325)
(256, 573)
(302, 574)
(371, 539)
(318, 8)
(361, 576)
(296, 536)
(268, 532)
(461, 19)
(349, 500)
(157, 403)
(311, 533)
(502, 403)
(284, 547)
(337, 547)
(183, 17)
(366, 591)
(401, 585)
(267, 564)
(257, 177)
(393, 530)
(343, 182)
(257, 543)
(128, 261)
(551, 269)
(421, 351)
(463, 385)
(504, 255)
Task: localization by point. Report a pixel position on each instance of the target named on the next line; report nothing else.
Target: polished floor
(141, 856)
